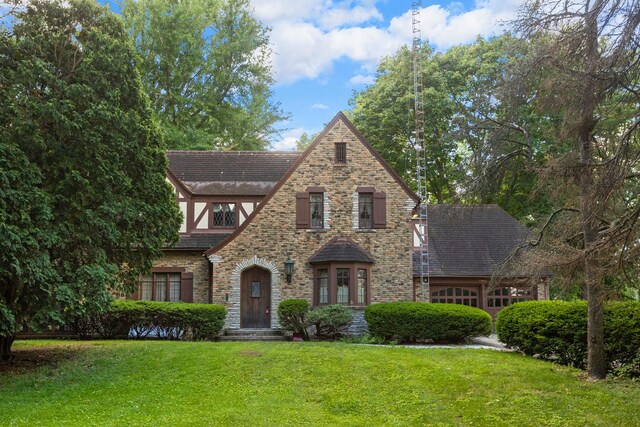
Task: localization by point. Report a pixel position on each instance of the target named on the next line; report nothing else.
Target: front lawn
(252, 384)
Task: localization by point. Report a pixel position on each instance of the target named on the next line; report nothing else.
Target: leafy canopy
(84, 203)
(205, 65)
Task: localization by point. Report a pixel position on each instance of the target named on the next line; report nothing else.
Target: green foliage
(204, 63)
(415, 321)
(87, 208)
(304, 141)
(557, 330)
(463, 112)
(169, 320)
(292, 314)
(330, 321)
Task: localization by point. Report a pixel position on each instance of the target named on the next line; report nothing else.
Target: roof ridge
(235, 152)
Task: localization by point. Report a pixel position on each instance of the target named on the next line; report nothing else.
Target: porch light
(288, 269)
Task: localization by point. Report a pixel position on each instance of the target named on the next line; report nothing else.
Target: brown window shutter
(302, 209)
(379, 210)
(186, 287)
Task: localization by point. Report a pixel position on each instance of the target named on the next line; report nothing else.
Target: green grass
(280, 384)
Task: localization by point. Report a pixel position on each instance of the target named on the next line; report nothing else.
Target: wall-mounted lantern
(288, 269)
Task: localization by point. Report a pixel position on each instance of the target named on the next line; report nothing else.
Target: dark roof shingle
(469, 240)
(341, 249)
(200, 241)
(230, 172)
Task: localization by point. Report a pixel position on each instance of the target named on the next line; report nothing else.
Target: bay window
(341, 283)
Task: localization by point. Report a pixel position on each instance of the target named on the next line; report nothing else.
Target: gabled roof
(341, 249)
(230, 172)
(469, 240)
(312, 146)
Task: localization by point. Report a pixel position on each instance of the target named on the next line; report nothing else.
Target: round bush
(557, 330)
(417, 321)
(330, 321)
(292, 314)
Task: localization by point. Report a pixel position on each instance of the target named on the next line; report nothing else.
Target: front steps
(252, 335)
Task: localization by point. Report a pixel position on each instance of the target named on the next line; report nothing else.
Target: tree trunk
(596, 363)
(590, 204)
(5, 348)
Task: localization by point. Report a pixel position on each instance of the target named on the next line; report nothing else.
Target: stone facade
(272, 236)
(358, 325)
(192, 262)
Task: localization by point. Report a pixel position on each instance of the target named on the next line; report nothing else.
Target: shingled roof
(201, 241)
(252, 173)
(341, 249)
(469, 240)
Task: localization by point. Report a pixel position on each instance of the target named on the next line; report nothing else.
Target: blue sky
(324, 50)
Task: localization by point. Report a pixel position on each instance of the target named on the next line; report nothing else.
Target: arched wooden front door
(255, 298)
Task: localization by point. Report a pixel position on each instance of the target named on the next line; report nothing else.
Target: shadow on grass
(29, 359)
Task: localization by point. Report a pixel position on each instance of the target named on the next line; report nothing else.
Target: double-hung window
(312, 206)
(316, 208)
(369, 208)
(365, 210)
(160, 287)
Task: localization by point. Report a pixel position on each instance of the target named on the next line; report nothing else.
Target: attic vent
(341, 152)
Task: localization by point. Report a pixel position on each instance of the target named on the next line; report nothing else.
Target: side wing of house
(216, 193)
(466, 243)
(341, 215)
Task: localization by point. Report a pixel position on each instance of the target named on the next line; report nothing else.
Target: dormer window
(224, 215)
(341, 152)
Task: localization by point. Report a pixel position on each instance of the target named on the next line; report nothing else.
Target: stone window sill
(316, 230)
(365, 230)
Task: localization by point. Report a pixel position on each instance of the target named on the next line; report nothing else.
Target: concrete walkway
(487, 343)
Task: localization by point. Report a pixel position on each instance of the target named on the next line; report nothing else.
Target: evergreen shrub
(292, 314)
(431, 322)
(557, 330)
(330, 321)
(165, 320)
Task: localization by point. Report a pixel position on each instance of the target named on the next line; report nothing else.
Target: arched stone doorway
(255, 298)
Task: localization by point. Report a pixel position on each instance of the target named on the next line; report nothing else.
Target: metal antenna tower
(421, 164)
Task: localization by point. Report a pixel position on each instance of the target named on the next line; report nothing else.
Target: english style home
(333, 225)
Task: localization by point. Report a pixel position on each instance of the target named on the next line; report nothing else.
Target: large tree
(84, 204)
(463, 115)
(585, 70)
(205, 65)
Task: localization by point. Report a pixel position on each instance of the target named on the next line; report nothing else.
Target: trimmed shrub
(330, 320)
(292, 314)
(417, 321)
(557, 330)
(169, 320)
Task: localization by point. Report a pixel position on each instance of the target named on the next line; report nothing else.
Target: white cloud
(344, 16)
(288, 142)
(319, 107)
(362, 80)
(447, 27)
(276, 10)
(308, 36)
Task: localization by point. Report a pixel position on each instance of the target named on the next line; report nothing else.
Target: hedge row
(557, 330)
(416, 321)
(167, 320)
